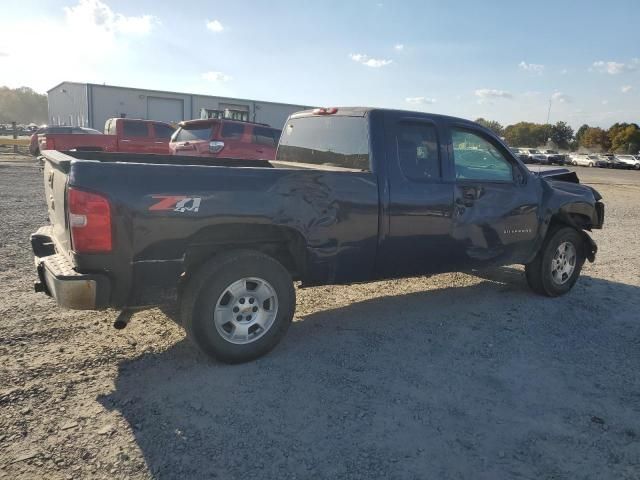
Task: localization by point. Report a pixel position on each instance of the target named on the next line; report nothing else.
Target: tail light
(216, 147)
(90, 221)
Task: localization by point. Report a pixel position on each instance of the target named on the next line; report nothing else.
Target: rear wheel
(238, 306)
(557, 266)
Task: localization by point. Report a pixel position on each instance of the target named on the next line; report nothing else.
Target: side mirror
(215, 146)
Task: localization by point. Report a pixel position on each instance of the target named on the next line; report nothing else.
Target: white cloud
(605, 102)
(615, 68)
(398, 47)
(531, 67)
(531, 93)
(369, 62)
(94, 14)
(561, 97)
(215, 26)
(626, 88)
(420, 100)
(486, 93)
(100, 37)
(564, 71)
(216, 77)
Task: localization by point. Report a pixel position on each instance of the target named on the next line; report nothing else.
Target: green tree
(526, 134)
(561, 134)
(22, 105)
(595, 138)
(577, 139)
(624, 137)
(491, 125)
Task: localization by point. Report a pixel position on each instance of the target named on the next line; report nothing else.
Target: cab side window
(418, 152)
(163, 131)
(477, 159)
(135, 129)
(232, 131)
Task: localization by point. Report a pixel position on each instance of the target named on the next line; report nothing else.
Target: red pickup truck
(120, 135)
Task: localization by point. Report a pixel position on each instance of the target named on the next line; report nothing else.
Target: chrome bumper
(58, 278)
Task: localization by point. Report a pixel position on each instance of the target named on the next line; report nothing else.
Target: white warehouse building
(90, 105)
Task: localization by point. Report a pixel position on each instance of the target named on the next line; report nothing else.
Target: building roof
(177, 93)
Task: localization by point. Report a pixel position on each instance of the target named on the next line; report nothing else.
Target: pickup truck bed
(354, 195)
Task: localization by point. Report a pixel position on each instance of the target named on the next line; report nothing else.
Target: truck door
(135, 137)
(161, 136)
(420, 199)
(495, 216)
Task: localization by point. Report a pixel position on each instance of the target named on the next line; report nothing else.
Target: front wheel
(557, 265)
(238, 306)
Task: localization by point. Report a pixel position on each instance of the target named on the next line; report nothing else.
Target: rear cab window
(330, 140)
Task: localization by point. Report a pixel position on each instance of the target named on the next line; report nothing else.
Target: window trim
(497, 145)
(424, 121)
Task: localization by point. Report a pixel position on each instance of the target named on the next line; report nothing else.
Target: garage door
(165, 109)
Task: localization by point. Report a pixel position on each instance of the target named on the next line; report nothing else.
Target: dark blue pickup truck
(355, 194)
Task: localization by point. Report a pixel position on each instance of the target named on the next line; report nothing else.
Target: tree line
(22, 105)
(619, 138)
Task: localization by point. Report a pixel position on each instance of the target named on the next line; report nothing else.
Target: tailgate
(55, 191)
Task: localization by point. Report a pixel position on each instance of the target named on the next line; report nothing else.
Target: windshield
(326, 140)
(192, 133)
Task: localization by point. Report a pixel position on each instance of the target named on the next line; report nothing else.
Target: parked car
(521, 155)
(534, 155)
(225, 138)
(552, 156)
(34, 147)
(628, 161)
(354, 194)
(605, 160)
(120, 135)
(583, 159)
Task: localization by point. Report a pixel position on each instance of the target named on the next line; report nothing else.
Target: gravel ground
(451, 376)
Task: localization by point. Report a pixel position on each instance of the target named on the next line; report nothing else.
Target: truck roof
(364, 111)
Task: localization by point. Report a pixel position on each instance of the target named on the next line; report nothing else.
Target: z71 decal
(175, 203)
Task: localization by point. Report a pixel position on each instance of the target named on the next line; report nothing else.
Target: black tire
(538, 272)
(203, 290)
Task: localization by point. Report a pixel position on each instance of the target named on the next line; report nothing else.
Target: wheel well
(282, 243)
(575, 220)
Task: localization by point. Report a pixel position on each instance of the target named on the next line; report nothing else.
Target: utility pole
(549, 125)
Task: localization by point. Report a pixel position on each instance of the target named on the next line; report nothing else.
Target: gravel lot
(452, 376)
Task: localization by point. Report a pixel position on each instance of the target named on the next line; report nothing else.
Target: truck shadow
(483, 381)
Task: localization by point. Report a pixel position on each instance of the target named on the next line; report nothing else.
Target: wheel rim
(246, 310)
(563, 263)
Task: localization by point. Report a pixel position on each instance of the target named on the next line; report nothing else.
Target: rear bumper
(58, 278)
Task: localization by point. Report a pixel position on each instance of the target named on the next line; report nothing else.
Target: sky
(501, 60)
